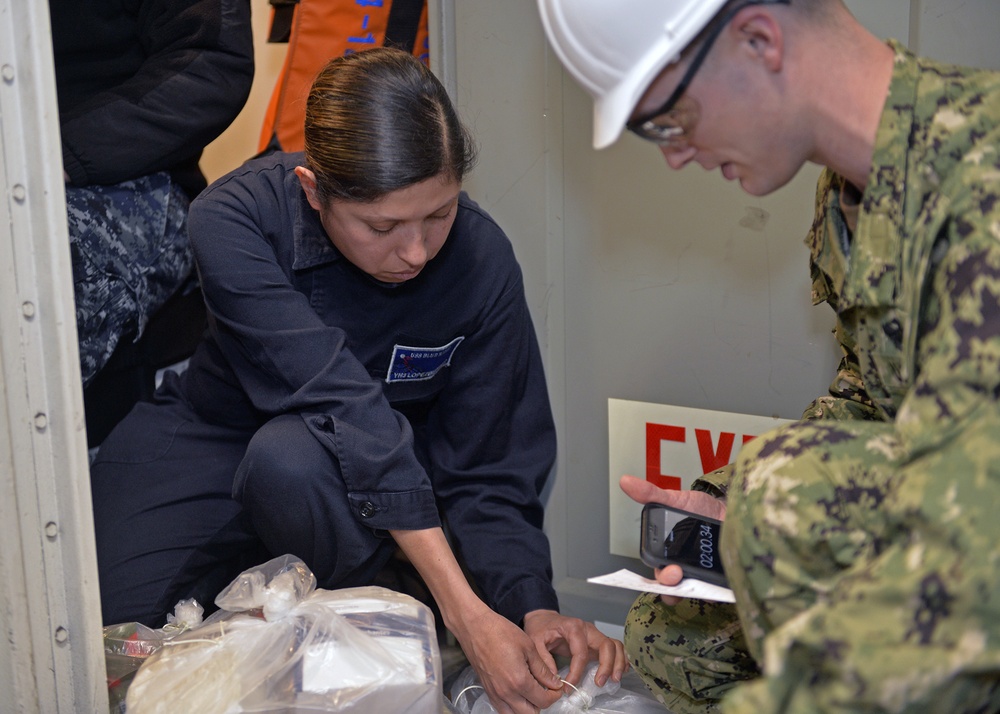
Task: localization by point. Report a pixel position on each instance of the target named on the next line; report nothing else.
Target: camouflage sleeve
(847, 398)
(847, 401)
(904, 616)
(715, 483)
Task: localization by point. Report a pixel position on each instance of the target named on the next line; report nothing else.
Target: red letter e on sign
(655, 435)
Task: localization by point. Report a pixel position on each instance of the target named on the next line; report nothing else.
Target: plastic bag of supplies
(279, 644)
(128, 645)
(630, 696)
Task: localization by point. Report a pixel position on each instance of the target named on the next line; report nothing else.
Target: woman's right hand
(512, 672)
(515, 677)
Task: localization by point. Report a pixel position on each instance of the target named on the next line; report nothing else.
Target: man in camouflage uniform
(861, 542)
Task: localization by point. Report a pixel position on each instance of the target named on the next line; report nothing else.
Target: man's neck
(848, 101)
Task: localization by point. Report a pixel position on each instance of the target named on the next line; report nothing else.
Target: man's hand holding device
(673, 537)
(693, 548)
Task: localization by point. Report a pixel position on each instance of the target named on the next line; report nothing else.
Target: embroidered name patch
(414, 364)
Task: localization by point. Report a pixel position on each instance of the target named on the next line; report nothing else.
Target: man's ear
(308, 180)
(761, 34)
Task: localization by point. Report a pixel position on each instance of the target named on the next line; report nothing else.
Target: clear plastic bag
(128, 645)
(630, 696)
(279, 644)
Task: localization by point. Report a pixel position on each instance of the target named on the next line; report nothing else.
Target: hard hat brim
(613, 109)
(616, 50)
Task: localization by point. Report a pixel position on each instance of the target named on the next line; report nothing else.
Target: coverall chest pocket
(418, 370)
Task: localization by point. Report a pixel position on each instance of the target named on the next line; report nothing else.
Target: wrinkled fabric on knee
(689, 654)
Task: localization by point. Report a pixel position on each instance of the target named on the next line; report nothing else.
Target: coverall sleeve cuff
(528, 595)
(404, 510)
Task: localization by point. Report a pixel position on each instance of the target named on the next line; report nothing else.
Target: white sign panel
(670, 446)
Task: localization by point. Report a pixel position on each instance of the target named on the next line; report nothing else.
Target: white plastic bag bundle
(279, 644)
(630, 696)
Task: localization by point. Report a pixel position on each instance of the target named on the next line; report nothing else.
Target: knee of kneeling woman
(280, 463)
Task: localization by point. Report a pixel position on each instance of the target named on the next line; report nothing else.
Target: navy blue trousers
(181, 507)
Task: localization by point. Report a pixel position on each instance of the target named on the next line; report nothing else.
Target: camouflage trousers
(130, 252)
(867, 579)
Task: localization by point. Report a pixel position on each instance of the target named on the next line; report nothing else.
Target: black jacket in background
(144, 85)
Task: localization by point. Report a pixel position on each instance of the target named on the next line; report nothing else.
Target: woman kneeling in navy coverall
(370, 370)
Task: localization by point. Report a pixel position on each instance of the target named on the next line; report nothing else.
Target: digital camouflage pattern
(863, 542)
(130, 252)
(689, 654)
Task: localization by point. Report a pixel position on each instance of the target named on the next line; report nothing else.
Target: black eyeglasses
(667, 126)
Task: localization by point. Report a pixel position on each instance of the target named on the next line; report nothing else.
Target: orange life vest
(321, 30)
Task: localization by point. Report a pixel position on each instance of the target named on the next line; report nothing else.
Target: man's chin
(750, 188)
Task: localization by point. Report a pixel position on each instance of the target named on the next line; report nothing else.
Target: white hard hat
(616, 48)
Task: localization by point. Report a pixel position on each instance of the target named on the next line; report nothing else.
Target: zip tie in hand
(459, 695)
(586, 699)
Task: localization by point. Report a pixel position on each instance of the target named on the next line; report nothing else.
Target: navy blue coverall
(324, 408)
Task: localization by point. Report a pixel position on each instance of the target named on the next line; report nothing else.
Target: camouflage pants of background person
(689, 654)
(130, 253)
(867, 579)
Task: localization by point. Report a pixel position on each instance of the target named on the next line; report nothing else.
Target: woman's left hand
(580, 641)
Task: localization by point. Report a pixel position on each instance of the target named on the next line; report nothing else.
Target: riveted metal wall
(52, 660)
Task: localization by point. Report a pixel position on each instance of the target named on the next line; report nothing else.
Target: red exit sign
(672, 446)
(715, 450)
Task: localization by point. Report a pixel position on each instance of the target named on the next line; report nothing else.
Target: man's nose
(678, 158)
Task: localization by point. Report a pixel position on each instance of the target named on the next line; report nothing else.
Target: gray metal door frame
(49, 601)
